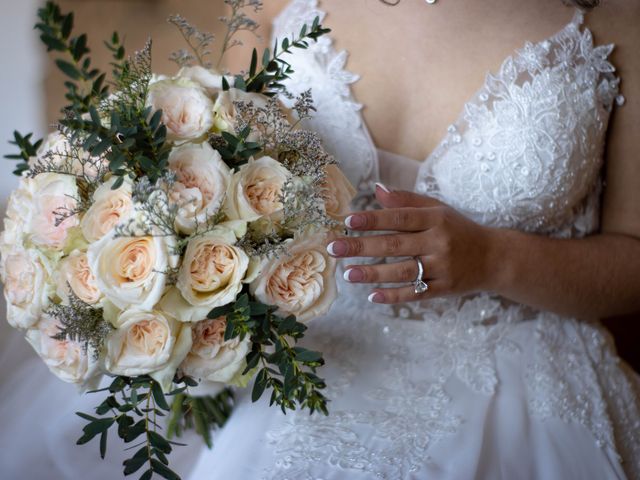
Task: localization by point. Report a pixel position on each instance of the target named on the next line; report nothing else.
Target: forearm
(594, 277)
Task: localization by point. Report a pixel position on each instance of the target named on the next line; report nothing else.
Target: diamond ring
(419, 285)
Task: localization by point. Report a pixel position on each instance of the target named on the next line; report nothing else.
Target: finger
(408, 219)
(437, 288)
(394, 245)
(401, 198)
(405, 271)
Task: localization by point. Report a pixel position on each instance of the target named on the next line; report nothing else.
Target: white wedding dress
(474, 387)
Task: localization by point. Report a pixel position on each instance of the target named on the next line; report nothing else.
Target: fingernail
(382, 187)
(353, 275)
(337, 248)
(354, 221)
(376, 297)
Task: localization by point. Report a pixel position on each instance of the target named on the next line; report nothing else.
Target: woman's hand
(456, 252)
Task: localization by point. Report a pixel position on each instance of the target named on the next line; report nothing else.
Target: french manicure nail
(376, 297)
(382, 187)
(353, 275)
(354, 221)
(337, 248)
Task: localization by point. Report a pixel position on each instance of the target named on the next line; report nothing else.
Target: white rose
(202, 180)
(212, 359)
(131, 271)
(52, 194)
(65, 358)
(225, 113)
(301, 283)
(338, 193)
(256, 189)
(147, 343)
(211, 274)
(57, 150)
(74, 272)
(186, 109)
(109, 208)
(18, 216)
(25, 274)
(208, 79)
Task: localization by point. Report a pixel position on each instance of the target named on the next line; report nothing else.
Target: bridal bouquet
(171, 234)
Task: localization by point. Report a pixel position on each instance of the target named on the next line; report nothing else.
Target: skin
(395, 49)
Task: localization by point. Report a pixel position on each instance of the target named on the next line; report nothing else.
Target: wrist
(501, 248)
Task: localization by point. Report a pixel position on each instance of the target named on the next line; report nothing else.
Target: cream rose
(57, 150)
(211, 274)
(210, 80)
(74, 272)
(66, 359)
(212, 359)
(109, 208)
(27, 289)
(338, 193)
(131, 271)
(52, 194)
(202, 180)
(224, 109)
(256, 189)
(147, 342)
(186, 109)
(301, 283)
(18, 216)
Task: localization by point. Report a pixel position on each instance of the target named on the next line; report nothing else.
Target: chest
(418, 63)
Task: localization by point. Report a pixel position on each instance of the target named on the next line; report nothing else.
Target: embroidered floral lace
(526, 153)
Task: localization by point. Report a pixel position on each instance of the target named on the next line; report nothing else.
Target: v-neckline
(576, 20)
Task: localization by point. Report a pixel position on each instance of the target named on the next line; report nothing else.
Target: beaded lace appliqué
(525, 153)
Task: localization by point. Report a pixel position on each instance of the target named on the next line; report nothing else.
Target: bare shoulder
(616, 21)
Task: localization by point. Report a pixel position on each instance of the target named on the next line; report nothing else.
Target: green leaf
(220, 311)
(259, 385)
(134, 464)
(68, 69)
(254, 63)
(103, 444)
(159, 442)
(147, 475)
(162, 470)
(307, 356)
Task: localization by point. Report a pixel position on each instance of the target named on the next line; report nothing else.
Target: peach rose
(65, 358)
(74, 272)
(109, 208)
(18, 216)
(52, 194)
(202, 179)
(187, 111)
(256, 189)
(25, 274)
(212, 359)
(301, 283)
(211, 274)
(131, 271)
(338, 193)
(224, 109)
(147, 342)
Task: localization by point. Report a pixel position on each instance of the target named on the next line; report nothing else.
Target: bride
(500, 368)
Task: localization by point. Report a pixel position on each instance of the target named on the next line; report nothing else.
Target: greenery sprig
(27, 148)
(273, 68)
(133, 407)
(285, 368)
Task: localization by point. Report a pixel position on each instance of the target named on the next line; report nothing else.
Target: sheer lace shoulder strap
(338, 119)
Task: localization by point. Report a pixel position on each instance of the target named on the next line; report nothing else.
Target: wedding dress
(471, 387)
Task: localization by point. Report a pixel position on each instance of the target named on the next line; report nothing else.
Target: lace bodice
(526, 153)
